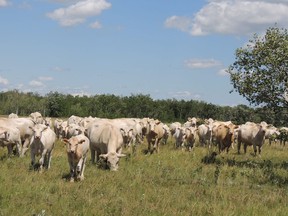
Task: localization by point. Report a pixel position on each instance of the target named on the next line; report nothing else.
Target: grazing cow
(107, 140)
(23, 125)
(190, 137)
(42, 144)
(271, 134)
(77, 149)
(74, 120)
(252, 134)
(74, 129)
(205, 134)
(10, 136)
(224, 136)
(173, 126)
(13, 115)
(283, 136)
(155, 133)
(37, 117)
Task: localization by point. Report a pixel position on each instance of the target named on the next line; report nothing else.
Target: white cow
(205, 134)
(57, 127)
(77, 150)
(37, 117)
(191, 122)
(107, 141)
(252, 134)
(13, 115)
(10, 136)
(23, 125)
(173, 126)
(179, 136)
(42, 144)
(74, 129)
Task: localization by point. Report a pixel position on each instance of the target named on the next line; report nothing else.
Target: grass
(173, 182)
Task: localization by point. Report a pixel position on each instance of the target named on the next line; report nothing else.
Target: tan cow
(190, 137)
(224, 136)
(155, 133)
(77, 148)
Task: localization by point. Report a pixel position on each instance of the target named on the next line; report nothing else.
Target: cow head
(112, 159)
(72, 144)
(127, 134)
(38, 129)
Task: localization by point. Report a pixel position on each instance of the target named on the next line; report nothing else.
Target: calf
(77, 149)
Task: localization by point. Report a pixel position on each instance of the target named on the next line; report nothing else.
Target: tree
(260, 71)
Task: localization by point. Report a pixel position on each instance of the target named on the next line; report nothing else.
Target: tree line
(55, 104)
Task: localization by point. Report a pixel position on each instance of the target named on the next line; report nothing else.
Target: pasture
(173, 182)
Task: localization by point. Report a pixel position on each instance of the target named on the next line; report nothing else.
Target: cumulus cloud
(237, 17)
(3, 81)
(201, 63)
(78, 13)
(45, 78)
(36, 83)
(4, 3)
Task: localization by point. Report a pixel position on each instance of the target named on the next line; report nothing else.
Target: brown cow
(224, 136)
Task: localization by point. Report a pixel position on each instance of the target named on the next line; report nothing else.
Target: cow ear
(103, 156)
(122, 131)
(81, 141)
(121, 155)
(65, 140)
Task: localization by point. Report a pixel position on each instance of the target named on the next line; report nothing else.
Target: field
(173, 182)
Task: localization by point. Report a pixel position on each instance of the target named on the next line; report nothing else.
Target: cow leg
(238, 146)
(10, 149)
(25, 147)
(81, 167)
(255, 149)
(18, 147)
(42, 159)
(245, 148)
(156, 146)
(93, 156)
(32, 156)
(49, 157)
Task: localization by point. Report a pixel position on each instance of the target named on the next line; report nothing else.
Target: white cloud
(59, 69)
(96, 25)
(45, 78)
(3, 81)
(36, 83)
(223, 72)
(79, 12)
(201, 63)
(237, 17)
(4, 3)
(185, 95)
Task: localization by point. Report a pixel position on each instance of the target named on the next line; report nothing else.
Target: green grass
(173, 182)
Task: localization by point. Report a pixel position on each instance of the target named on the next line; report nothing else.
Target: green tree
(261, 69)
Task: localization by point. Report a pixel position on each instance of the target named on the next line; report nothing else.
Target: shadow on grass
(267, 167)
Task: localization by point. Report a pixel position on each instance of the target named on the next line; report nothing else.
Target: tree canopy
(260, 70)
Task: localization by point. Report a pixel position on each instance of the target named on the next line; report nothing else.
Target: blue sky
(164, 48)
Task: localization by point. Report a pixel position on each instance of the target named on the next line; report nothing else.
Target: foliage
(260, 70)
(55, 104)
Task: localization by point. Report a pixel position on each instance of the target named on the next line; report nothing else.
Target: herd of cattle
(105, 138)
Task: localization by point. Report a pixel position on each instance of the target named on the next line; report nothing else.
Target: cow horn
(121, 155)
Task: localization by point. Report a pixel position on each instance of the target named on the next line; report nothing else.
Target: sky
(168, 49)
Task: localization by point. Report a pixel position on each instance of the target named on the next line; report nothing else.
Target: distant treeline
(55, 104)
